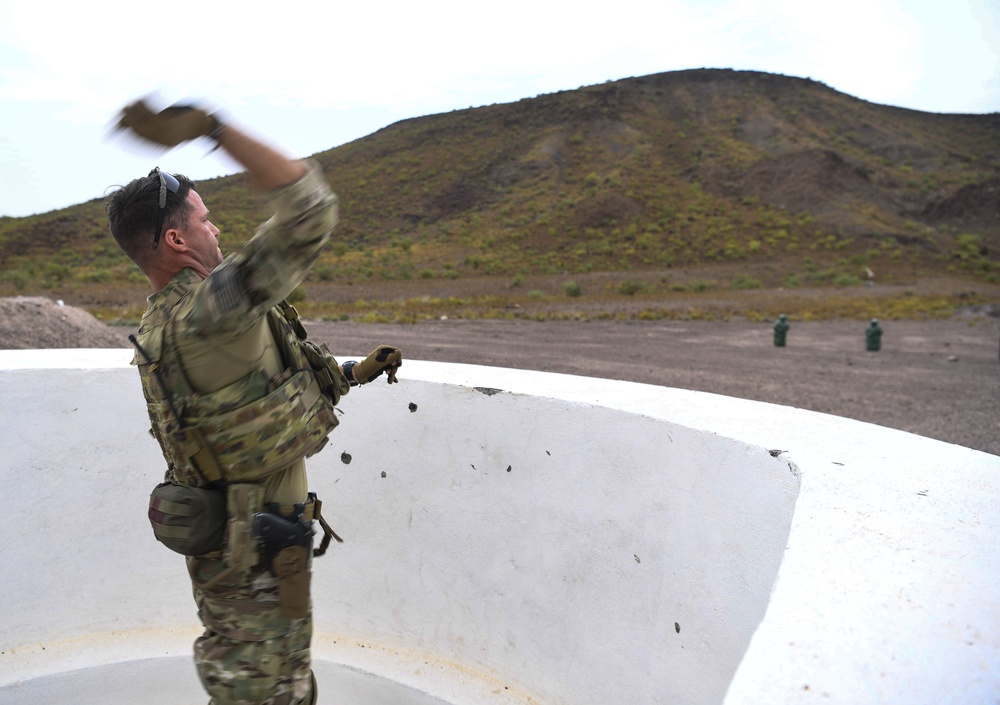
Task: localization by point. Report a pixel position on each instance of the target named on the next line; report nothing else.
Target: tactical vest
(266, 424)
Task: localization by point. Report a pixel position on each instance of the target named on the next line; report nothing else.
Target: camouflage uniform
(250, 653)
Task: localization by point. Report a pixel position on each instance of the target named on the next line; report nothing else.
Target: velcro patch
(226, 289)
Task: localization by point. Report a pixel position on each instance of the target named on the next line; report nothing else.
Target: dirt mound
(29, 322)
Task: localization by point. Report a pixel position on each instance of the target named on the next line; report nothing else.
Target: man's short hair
(132, 213)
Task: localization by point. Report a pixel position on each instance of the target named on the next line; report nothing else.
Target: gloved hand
(384, 358)
(171, 126)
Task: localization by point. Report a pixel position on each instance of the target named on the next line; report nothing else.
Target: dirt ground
(938, 378)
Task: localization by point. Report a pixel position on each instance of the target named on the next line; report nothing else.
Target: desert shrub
(59, 272)
(732, 250)
(98, 276)
(405, 270)
(968, 246)
(630, 287)
(572, 289)
(646, 241)
(847, 280)
(18, 278)
(743, 282)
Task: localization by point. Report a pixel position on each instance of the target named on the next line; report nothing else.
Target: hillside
(660, 189)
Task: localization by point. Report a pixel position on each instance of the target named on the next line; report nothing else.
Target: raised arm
(266, 167)
(237, 291)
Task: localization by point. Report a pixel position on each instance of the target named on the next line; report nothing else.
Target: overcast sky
(313, 75)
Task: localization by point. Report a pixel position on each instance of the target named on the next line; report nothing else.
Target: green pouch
(327, 370)
(188, 520)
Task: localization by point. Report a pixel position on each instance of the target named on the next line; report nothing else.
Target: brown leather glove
(171, 126)
(384, 358)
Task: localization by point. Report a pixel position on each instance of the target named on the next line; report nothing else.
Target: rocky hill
(782, 180)
(632, 150)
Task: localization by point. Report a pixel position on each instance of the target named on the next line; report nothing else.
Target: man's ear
(174, 239)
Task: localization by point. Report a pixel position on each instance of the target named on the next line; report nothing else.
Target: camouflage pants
(250, 654)
(271, 672)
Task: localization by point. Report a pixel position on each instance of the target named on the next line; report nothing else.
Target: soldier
(237, 399)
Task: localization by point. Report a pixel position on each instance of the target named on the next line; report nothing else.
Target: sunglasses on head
(167, 183)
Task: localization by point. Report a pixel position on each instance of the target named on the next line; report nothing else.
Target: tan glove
(171, 126)
(384, 358)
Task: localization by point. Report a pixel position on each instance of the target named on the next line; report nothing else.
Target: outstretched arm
(266, 167)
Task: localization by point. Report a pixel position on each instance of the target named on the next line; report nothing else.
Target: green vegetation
(630, 287)
(743, 282)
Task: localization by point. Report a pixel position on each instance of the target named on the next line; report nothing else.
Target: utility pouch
(188, 520)
(326, 370)
(290, 567)
(298, 352)
(287, 546)
(239, 552)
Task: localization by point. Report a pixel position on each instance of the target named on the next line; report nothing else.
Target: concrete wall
(566, 541)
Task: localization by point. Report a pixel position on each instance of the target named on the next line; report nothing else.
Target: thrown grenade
(873, 336)
(781, 331)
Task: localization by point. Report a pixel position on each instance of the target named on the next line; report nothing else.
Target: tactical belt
(306, 511)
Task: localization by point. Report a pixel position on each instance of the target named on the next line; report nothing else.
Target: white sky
(311, 75)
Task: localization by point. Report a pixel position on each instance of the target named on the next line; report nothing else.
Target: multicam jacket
(229, 392)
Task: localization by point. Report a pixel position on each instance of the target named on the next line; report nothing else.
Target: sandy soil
(936, 378)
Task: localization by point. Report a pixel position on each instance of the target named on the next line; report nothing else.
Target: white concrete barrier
(522, 537)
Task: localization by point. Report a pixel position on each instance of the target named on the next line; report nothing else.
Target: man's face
(202, 236)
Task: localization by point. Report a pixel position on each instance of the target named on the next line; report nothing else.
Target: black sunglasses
(167, 183)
